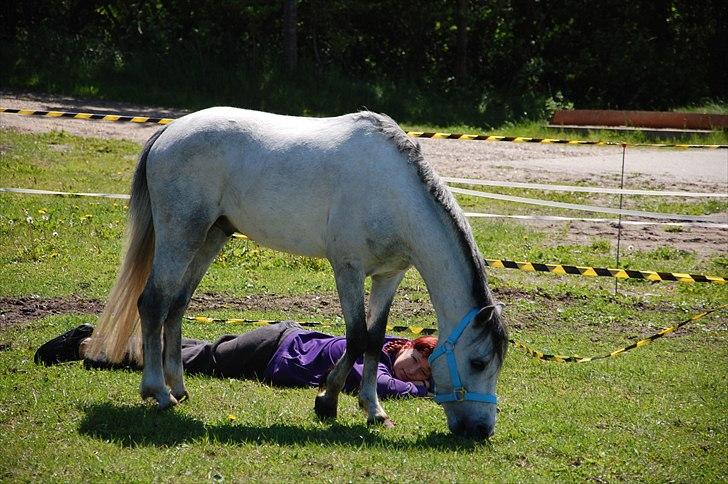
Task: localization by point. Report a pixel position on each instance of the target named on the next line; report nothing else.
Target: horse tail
(116, 336)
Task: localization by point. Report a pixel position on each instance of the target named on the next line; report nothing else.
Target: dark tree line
(462, 56)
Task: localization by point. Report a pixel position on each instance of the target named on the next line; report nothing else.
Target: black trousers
(232, 356)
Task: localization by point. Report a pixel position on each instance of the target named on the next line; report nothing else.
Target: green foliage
(519, 62)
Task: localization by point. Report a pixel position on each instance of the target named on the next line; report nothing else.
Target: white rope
(32, 191)
(697, 221)
(613, 221)
(572, 188)
(584, 208)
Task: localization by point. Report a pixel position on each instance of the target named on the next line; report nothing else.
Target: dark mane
(411, 149)
(442, 196)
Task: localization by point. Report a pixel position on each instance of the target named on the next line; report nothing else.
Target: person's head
(410, 357)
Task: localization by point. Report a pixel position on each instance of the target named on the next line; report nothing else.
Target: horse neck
(447, 269)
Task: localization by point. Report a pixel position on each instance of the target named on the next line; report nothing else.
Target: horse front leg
(350, 286)
(380, 300)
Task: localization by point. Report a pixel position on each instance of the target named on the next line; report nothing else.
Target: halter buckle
(460, 394)
(449, 346)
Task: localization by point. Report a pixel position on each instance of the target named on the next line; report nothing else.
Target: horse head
(465, 368)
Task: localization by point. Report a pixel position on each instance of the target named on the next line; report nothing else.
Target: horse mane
(443, 197)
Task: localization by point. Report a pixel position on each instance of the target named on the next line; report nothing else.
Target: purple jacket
(305, 358)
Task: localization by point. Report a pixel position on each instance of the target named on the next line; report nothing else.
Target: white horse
(353, 189)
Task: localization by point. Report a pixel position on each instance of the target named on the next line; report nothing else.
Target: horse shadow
(141, 425)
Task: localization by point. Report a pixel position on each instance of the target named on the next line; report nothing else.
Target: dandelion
(232, 418)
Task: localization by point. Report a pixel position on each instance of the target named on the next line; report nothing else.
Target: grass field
(658, 413)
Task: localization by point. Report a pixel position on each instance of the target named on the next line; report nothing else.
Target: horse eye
(477, 365)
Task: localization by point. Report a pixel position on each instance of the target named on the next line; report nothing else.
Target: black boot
(64, 347)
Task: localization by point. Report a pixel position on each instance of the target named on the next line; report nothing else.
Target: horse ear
(487, 313)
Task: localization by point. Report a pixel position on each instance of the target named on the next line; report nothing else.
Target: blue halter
(459, 393)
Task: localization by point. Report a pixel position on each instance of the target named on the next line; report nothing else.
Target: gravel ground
(693, 170)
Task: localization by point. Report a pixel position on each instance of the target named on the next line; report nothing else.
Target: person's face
(410, 365)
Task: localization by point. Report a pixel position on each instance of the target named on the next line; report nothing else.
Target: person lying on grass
(282, 354)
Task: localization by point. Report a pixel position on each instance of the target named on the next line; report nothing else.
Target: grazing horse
(354, 189)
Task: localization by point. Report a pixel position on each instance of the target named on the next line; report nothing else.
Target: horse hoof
(164, 399)
(166, 403)
(324, 409)
(384, 421)
(181, 396)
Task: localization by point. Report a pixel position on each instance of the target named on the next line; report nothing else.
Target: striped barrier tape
(544, 218)
(414, 134)
(560, 269)
(88, 116)
(422, 330)
(526, 139)
(586, 271)
(637, 344)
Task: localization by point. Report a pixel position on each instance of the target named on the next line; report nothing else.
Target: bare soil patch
(317, 307)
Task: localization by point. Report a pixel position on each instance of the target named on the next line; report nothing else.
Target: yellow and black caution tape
(418, 330)
(88, 116)
(415, 134)
(637, 344)
(586, 271)
(422, 330)
(526, 139)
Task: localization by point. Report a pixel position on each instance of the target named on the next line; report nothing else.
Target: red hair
(424, 344)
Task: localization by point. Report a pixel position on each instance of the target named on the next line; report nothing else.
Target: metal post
(619, 224)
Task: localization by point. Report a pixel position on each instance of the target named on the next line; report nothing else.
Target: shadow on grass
(132, 426)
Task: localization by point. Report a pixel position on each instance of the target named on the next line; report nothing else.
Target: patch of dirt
(701, 241)
(316, 307)
(21, 310)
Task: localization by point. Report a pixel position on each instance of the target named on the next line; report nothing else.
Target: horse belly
(282, 219)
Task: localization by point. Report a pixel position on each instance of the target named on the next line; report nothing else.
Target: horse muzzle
(472, 429)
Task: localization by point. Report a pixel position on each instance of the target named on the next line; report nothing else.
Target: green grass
(655, 414)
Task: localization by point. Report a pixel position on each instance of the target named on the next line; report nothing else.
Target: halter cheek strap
(447, 348)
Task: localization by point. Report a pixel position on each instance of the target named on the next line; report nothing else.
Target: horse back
(291, 183)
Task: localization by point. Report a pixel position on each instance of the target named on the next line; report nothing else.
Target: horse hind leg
(380, 300)
(174, 251)
(173, 370)
(350, 286)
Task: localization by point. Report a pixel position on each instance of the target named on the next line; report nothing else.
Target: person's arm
(388, 386)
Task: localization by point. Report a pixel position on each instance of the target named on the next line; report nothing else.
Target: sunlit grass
(620, 419)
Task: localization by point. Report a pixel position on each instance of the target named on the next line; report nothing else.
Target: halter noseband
(459, 393)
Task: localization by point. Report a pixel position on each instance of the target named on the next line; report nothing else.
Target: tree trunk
(290, 45)
(461, 68)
